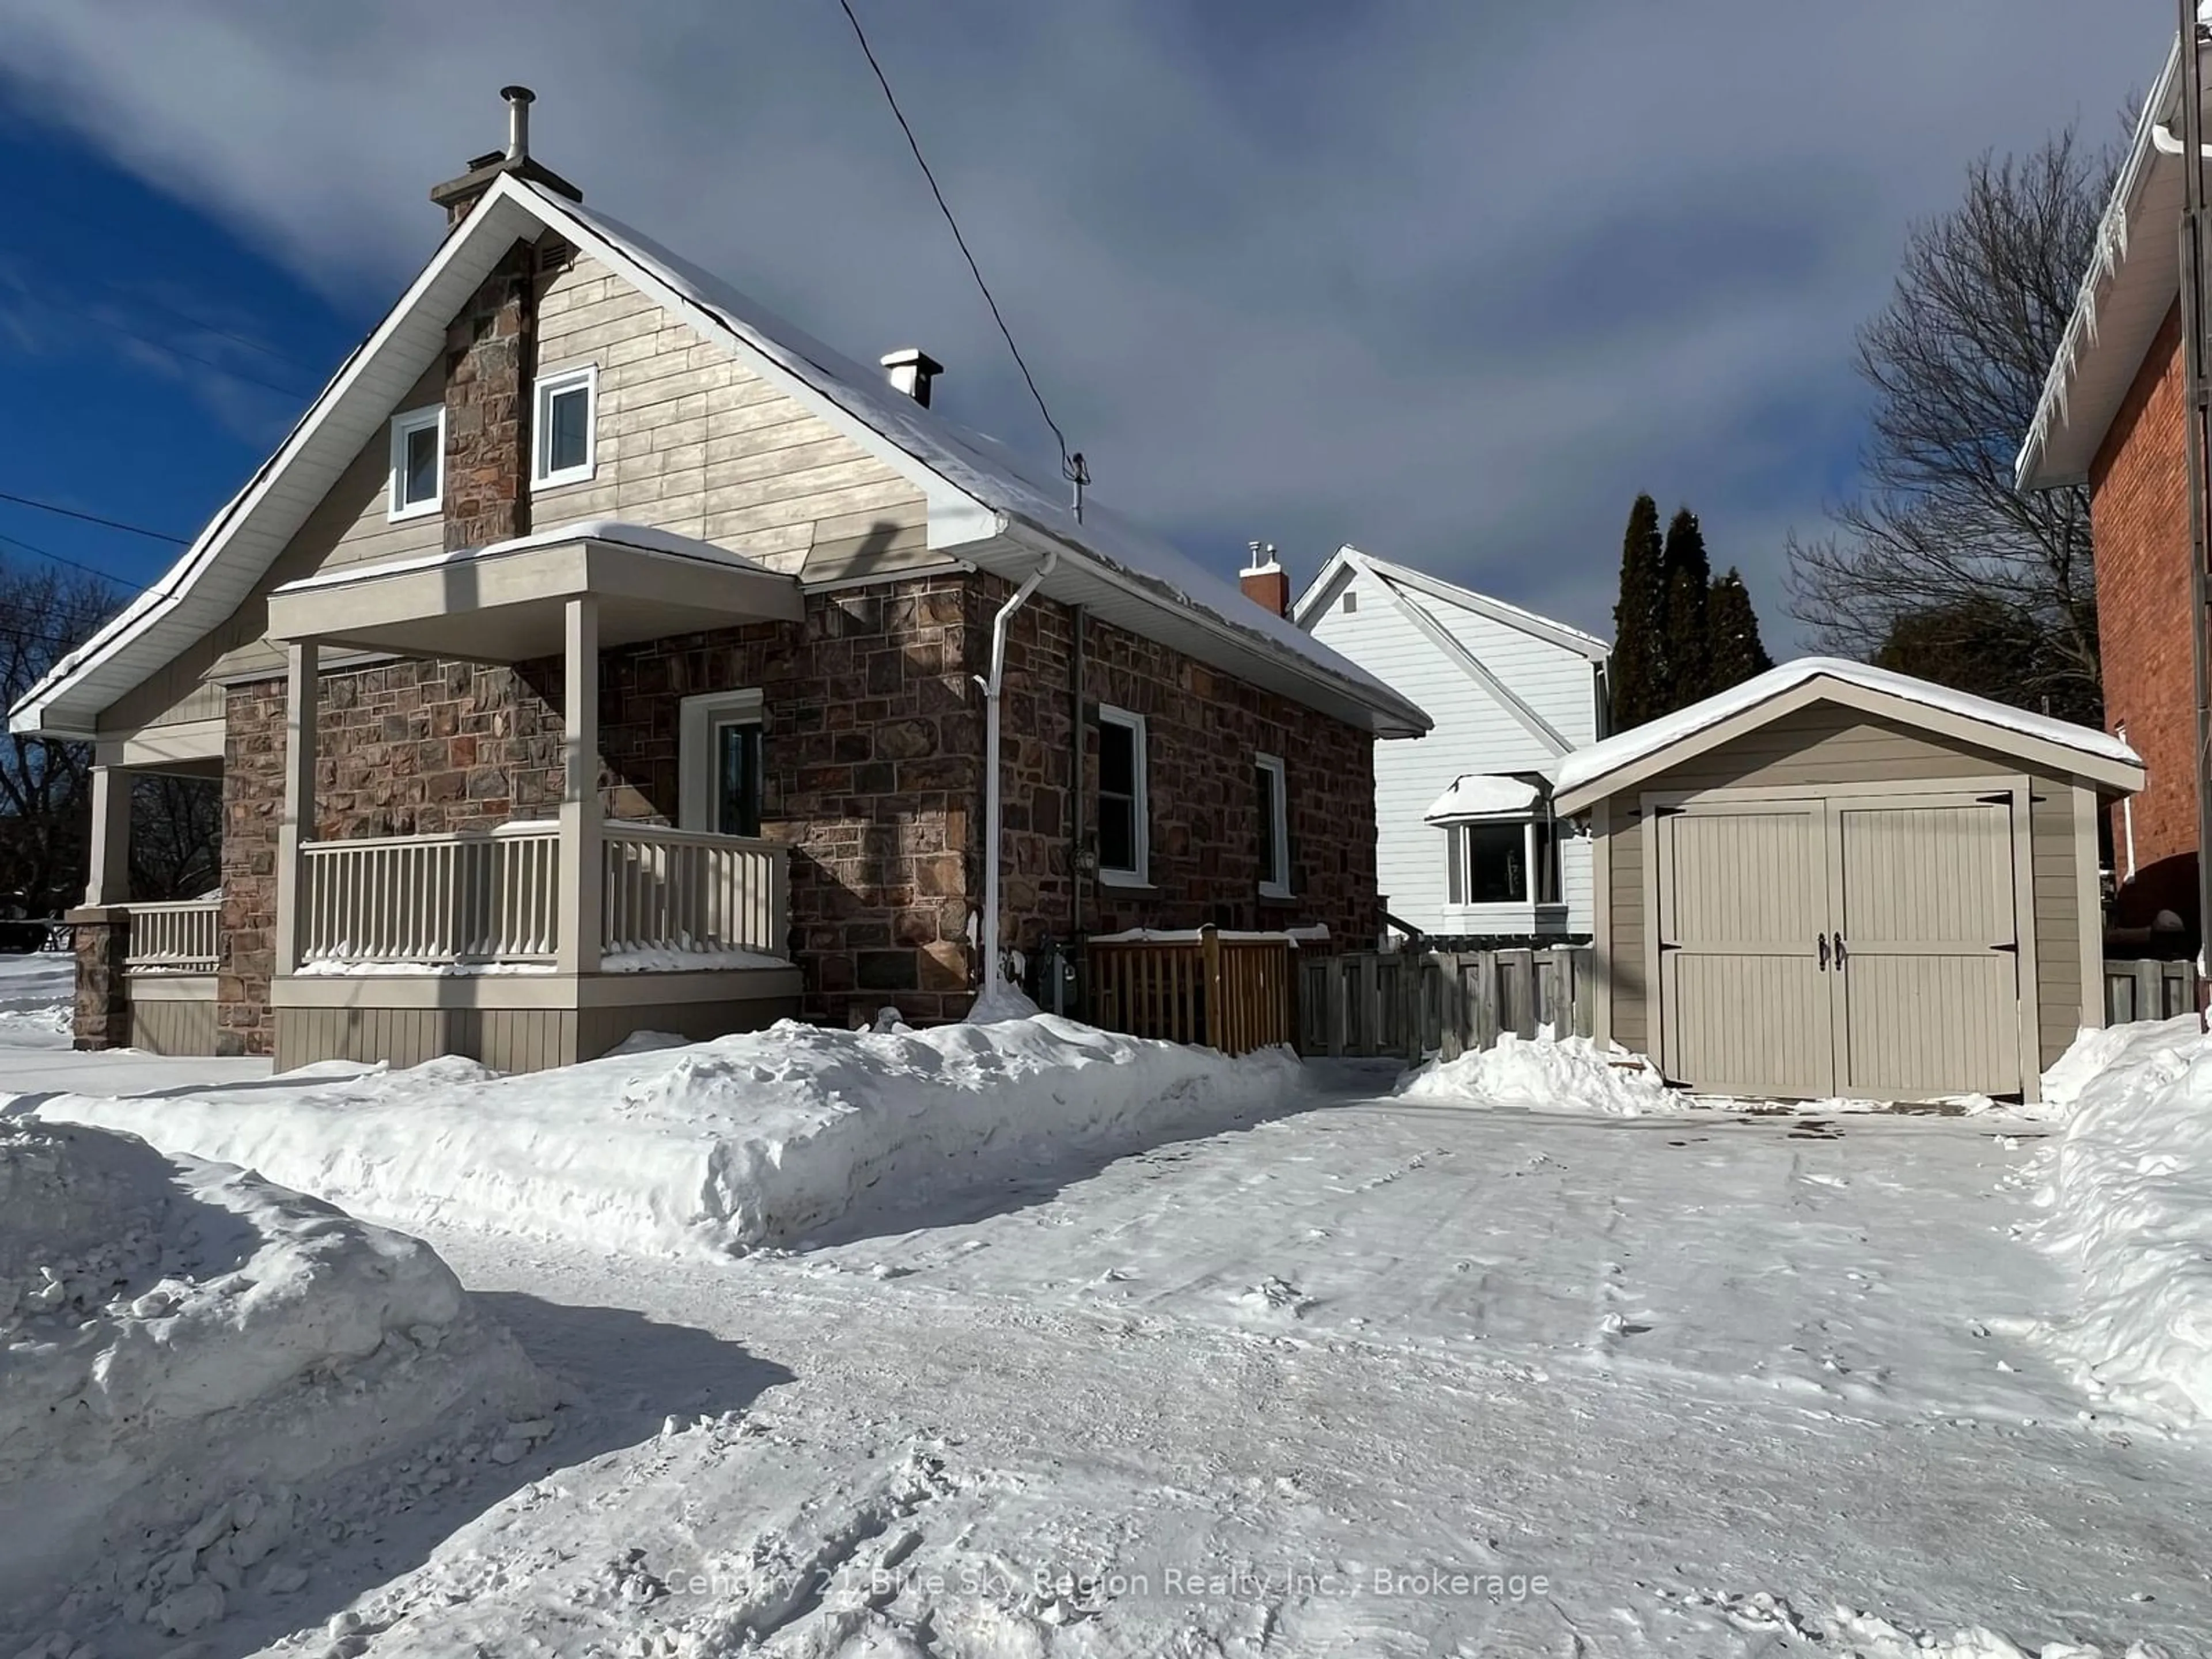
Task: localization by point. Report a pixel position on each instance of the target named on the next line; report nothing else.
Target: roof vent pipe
(911, 370)
(518, 100)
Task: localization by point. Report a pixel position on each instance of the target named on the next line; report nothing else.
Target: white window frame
(1458, 868)
(404, 426)
(1141, 804)
(541, 426)
(697, 720)
(1276, 883)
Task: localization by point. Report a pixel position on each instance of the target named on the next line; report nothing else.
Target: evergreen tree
(1732, 632)
(1636, 672)
(1687, 580)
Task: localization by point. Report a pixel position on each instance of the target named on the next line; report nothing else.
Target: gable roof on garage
(1621, 762)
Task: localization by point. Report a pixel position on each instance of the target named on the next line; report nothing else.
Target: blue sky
(1450, 281)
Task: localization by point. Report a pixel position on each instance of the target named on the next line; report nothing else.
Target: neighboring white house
(1466, 843)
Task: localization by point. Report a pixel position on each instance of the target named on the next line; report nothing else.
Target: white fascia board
(49, 708)
(1320, 592)
(1515, 617)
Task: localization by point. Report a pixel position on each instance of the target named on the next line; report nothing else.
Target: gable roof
(1605, 768)
(980, 499)
(1348, 560)
(2133, 280)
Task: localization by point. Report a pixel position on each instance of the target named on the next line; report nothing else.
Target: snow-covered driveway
(1240, 1388)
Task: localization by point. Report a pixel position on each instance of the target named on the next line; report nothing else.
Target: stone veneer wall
(1202, 729)
(403, 748)
(490, 357)
(871, 751)
(869, 740)
(870, 745)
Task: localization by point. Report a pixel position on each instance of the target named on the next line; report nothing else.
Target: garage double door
(1862, 946)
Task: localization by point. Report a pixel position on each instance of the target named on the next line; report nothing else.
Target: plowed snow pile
(725, 1145)
(35, 994)
(185, 1353)
(1547, 1074)
(2129, 1191)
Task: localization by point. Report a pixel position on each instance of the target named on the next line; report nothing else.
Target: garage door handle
(1824, 953)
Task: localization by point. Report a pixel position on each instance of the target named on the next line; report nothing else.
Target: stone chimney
(458, 196)
(911, 370)
(1265, 582)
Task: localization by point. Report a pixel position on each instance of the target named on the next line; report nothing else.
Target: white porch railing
(494, 897)
(184, 937)
(480, 896)
(689, 893)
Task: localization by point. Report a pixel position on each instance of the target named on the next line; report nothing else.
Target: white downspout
(993, 765)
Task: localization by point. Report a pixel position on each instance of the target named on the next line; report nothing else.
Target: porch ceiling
(505, 603)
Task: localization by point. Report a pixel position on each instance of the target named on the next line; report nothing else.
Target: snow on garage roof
(1589, 773)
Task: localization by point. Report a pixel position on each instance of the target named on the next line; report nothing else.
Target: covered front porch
(537, 941)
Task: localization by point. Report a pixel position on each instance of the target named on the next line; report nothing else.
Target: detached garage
(1834, 880)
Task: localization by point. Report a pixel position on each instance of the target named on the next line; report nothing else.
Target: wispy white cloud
(1450, 282)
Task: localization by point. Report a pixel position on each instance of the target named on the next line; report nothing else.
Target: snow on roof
(960, 471)
(982, 466)
(644, 537)
(1587, 766)
(1474, 794)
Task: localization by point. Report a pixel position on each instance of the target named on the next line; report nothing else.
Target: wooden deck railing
(1229, 991)
(465, 897)
(684, 891)
(494, 896)
(185, 937)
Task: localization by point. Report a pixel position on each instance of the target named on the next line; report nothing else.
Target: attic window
(1351, 600)
(560, 427)
(418, 462)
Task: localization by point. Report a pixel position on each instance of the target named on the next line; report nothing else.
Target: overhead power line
(1071, 465)
(177, 352)
(38, 552)
(93, 518)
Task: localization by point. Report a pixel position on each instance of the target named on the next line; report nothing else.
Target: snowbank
(1548, 1074)
(185, 1346)
(2128, 1192)
(725, 1145)
(36, 993)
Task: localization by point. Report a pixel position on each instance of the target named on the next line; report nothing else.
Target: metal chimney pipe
(518, 100)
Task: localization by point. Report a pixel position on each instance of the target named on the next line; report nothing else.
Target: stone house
(2112, 416)
(647, 643)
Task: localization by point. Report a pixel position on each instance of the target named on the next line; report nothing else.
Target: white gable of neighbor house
(1475, 732)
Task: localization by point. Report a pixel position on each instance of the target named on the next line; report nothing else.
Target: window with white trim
(418, 463)
(1271, 782)
(718, 768)
(1124, 836)
(1502, 861)
(562, 418)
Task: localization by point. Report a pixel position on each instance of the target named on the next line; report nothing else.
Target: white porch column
(110, 882)
(582, 841)
(302, 697)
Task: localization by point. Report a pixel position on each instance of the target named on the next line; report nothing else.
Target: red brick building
(600, 654)
(2112, 417)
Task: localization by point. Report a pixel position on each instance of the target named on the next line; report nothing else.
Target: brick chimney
(1264, 582)
(458, 196)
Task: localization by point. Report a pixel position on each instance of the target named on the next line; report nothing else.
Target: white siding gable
(1474, 730)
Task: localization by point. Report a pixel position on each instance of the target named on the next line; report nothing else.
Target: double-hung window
(418, 463)
(719, 762)
(1270, 780)
(560, 427)
(1124, 837)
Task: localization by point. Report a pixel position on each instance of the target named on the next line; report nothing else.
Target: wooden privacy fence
(1412, 1002)
(1229, 991)
(2148, 990)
